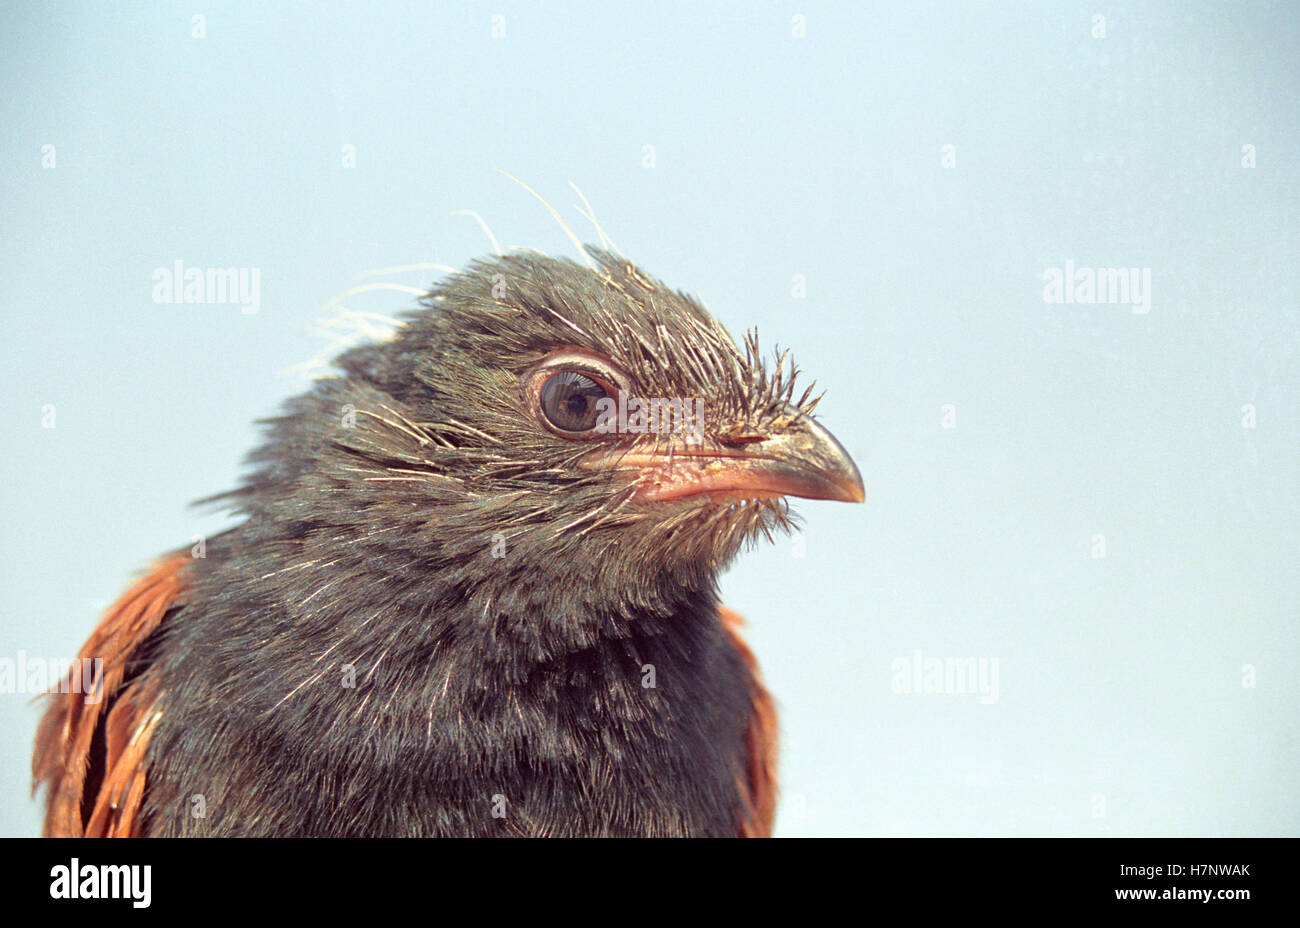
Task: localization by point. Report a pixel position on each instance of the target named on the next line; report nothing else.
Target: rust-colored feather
(98, 793)
(758, 782)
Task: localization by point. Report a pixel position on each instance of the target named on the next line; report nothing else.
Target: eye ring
(566, 390)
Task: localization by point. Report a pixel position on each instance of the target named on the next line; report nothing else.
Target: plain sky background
(1121, 705)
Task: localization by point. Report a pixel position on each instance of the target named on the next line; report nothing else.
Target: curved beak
(805, 460)
(800, 459)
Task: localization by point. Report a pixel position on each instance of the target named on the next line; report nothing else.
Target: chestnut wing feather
(91, 741)
(758, 784)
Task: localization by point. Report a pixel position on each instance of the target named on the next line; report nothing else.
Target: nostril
(742, 435)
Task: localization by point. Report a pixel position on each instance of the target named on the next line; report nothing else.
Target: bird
(473, 589)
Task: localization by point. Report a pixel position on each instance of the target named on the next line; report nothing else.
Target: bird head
(538, 420)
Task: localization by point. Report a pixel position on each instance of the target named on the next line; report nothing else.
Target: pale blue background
(774, 156)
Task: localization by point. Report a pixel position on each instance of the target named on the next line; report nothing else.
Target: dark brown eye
(569, 401)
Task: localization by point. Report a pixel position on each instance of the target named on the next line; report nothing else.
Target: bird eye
(569, 401)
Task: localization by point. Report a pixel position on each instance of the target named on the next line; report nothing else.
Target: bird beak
(801, 459)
